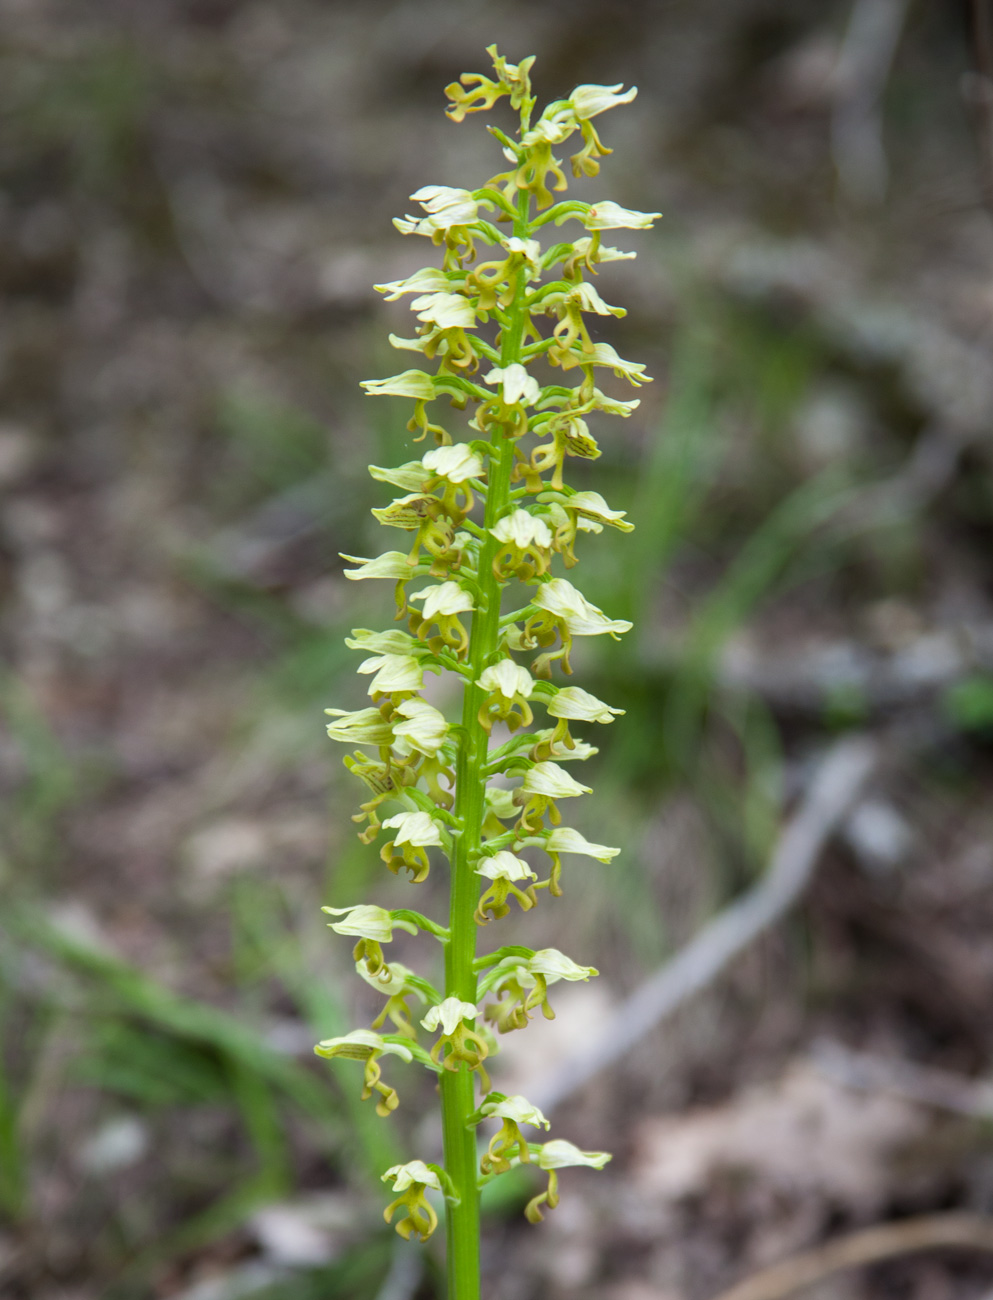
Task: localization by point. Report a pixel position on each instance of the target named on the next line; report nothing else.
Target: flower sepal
(368, 1046)
(552, 1156)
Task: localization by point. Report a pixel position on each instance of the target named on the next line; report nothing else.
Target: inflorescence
(478, 518)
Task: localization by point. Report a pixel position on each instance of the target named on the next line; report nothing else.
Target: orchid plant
(485, 517)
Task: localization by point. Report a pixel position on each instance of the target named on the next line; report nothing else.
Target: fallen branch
(856, 125)
(837, 783)
(930, 1087)
(869, 1246)
(405, 1274)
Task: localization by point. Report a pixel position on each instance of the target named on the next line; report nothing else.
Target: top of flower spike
(477, 92)
(512, 79)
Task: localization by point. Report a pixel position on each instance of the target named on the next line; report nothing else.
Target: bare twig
(405, 1273)
(869, 1246)
(864, 67)
(869, 1073)
(978, 90)
(837, 783)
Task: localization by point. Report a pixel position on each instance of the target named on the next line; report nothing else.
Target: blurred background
(196, 201)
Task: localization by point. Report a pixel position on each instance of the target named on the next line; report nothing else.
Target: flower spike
(449, 755)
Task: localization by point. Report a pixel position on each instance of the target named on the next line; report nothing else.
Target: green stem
(457, 1086)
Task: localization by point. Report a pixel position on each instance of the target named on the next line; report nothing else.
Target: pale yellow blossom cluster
(482, 511)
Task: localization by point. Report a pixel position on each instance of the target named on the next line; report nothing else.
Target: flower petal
(365, 921)
(390, 642)
(521, 528)
(391, 564)
(414, 1171)
(456, 463)
(410, 383)
(393, 673)
(561, 598)
(507, 679)
(455, 206)
(446, 310)
(574, 702)
(593, 506)
(449, 1015)
(587, 100)
(552, 781)
(611, 216)
(516, 385)
(359, 1044)
(415, 828)
(362, 727)
(444, 600)
(429, 279)
(516, 1108)
(411, 477)
(560, 1154)
(563, 839)
(602, 354)
(504, 866)
(555, 965)
(424, 728)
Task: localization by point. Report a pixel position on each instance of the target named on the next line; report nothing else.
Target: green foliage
(969, 704)
(47, 786)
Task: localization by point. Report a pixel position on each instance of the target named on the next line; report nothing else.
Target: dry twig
(868, 1246)
(837, 783)
(856, 127)
(866, 1072)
